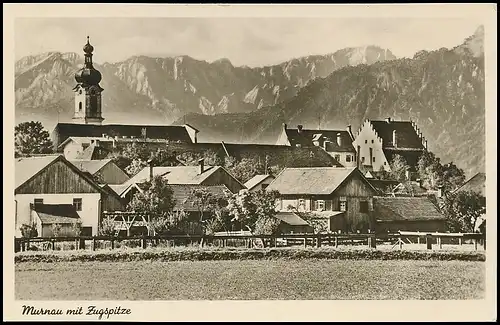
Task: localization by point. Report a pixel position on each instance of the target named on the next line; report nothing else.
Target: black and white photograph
(267, 157)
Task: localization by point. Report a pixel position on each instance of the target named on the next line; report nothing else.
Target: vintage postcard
(250, 162)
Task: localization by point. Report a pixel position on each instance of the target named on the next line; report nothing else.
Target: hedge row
(167, 255)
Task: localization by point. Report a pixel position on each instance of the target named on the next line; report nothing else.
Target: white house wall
(367, 138)
(72, 149)
(89, 214)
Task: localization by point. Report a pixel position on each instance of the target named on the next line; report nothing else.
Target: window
(363, 206)
(366, 141)
(337, 158)
(320, 205)
(385, 163)
(77, 203)
(80, 106)
(372, 141)
(38, 201)
(362, 159)
(373, 159)
(348, 158)
(343, 203)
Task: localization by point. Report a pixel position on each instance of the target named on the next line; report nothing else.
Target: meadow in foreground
(251, 280)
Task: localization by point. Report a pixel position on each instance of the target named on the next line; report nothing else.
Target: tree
(319, 225)
(434, 174)
(255, 210)
(76, 228)
(107, 228)
(156, 200)
(135, 166)
(32, 138)
(247, 168)
(399, 166)
(56, 230)
(462, 209)
(28, 230)
(210, 208)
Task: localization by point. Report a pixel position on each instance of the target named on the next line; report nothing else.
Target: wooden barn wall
(112, 174)
(404, 225)
(112, 203)
(56, 179)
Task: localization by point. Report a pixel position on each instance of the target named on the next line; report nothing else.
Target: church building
(88, 119)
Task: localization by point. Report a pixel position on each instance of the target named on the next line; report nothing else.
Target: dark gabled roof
(476, 183)
(405, 209)
(406, 135)
(306, 137)
(314, 181)
(171, 132)
(181, 194)
(56, 213)
(291, 218)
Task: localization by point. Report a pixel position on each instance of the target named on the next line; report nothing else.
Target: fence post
(318, 241)
(28, 244)
(484, 240)
(459, 240)
(336, 241)
(93, 243)
(418, 238)
(440, 242)
(305, 242)
(53, 244)
(475, 243)
(428, 241)
(372, 241)
(81, 243)
(144, 241)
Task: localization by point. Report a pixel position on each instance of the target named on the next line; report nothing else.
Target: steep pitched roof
(175, 174)
(90, 166)
(27, 167)
(83, 140)
(56, 213)
(256, 180)
(181, 194)
(305, 138)
(405, 208)
(476, 183)
(406, 135)
(315, 180)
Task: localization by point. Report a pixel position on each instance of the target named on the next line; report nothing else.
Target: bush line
(240, 254)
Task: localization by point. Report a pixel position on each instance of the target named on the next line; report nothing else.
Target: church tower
(87, 91)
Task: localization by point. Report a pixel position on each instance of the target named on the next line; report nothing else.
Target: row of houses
(53, 190)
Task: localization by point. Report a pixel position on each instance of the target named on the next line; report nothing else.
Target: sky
(244, 41)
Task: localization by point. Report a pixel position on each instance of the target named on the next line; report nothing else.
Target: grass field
(251, 279)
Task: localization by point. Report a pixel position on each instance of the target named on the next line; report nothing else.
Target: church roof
(406, 135)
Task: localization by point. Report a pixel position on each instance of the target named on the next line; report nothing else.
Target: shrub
(28, 231)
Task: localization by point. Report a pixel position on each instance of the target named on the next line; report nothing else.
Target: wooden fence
(399, 239)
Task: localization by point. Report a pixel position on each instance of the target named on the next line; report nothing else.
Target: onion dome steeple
(88, 75)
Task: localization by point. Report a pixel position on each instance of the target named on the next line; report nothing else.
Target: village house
(87, 118)
(46, 185)
(377, 142)
(342, 196)
(393, 214)
(259, 182)
(337, 143)
(104, 171)
(189, 175)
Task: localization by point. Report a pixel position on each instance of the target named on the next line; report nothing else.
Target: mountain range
(442, 91)
(147, 90)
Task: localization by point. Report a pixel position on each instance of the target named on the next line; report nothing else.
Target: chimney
(349, 130)
(150, 164)
(97, 143)
(388, 119)
(339, 140)
(201, 165)
(394, 139)
(440, 191)
(104, 135)
(299, 128)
